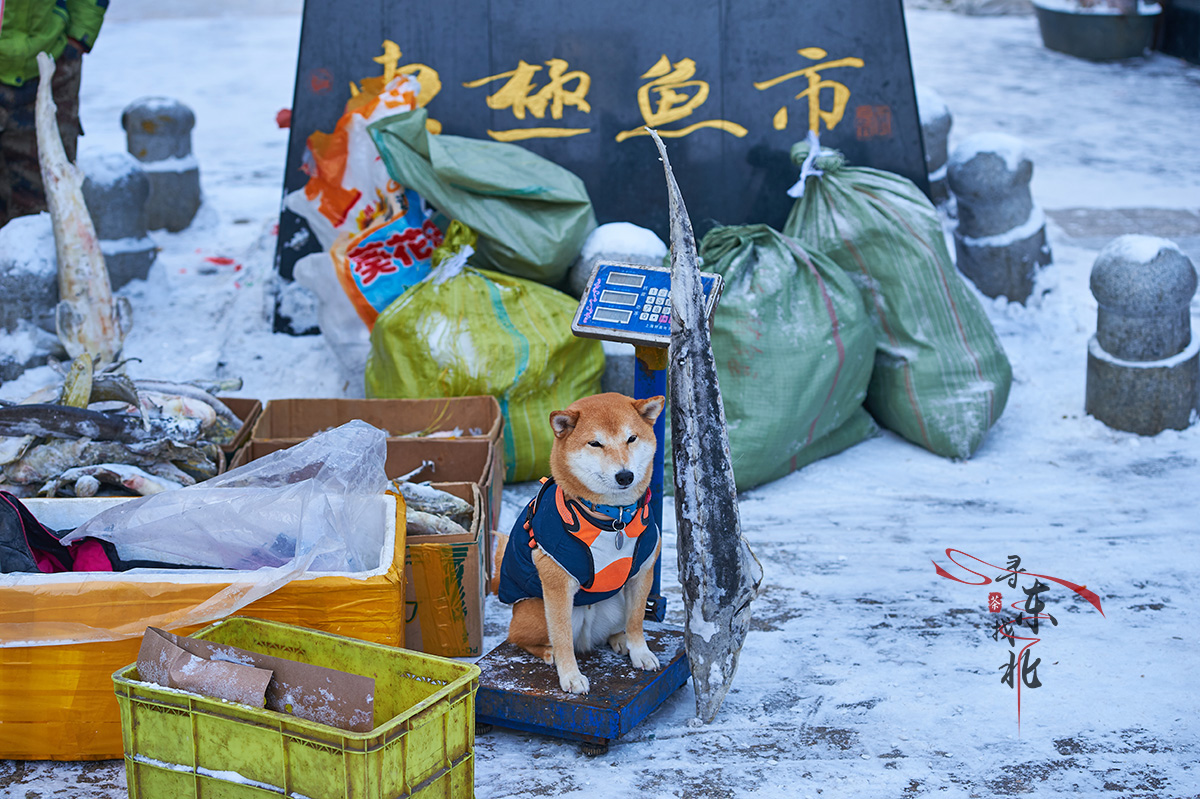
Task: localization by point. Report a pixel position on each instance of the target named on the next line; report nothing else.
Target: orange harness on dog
(600, 554)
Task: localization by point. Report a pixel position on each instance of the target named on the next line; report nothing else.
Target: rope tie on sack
(808, 168)
(450, 258)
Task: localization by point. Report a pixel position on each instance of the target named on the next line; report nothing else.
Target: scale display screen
(619, 297)
(632, 303)
(612, 315)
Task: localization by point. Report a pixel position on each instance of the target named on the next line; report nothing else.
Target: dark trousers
(21, 189)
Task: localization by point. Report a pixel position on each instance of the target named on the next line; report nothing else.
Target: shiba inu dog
(579, 563)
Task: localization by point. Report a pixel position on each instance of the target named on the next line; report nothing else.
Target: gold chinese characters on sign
(670, 85)
(427, 77)
(669, 101)
(518, 95)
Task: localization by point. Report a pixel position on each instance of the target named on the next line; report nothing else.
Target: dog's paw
(619, 643)
(574, 683)
(643, 658)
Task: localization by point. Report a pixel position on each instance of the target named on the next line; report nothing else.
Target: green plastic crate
(182, 745)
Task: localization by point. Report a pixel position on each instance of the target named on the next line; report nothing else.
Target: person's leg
(8, 101)
(18, 137)
(24, 176)
(68, 73)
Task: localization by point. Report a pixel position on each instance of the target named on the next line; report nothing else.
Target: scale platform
(520, 692)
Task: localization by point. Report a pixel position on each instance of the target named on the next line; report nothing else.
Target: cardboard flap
(326, 696)
(162, 662)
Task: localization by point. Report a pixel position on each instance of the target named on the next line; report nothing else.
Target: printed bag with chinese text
(941, 377)
(349, 188)
(381, 263)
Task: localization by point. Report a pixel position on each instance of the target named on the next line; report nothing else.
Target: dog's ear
(563, 422)
(650, 408)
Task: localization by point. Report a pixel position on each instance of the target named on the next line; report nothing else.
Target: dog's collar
(621, 514)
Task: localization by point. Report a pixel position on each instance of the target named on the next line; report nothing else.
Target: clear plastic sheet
(315, 507)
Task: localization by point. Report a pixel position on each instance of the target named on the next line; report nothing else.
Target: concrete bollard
(158, 133)
(936, 122)
(1001, 235)
(28, 272)
(28, 294)
(1143, 372)
(116, 189)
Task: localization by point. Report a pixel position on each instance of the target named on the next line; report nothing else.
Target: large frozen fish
(63, 421)
(136, 480)
(719, 573)
(428, 499)
(88, 319)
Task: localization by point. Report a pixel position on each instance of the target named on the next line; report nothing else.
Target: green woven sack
(793, 347)
(483, 332)
(532, 215)
(941, 377)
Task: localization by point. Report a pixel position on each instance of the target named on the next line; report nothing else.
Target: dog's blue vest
(596, 552)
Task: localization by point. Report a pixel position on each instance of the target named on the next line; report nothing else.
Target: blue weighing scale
(632, 303)
(628, 303)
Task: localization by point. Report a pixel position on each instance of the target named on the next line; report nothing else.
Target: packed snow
(1137, 249)
(865, 673)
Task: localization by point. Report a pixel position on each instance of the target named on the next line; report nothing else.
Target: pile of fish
(141, 436)
(431, 511)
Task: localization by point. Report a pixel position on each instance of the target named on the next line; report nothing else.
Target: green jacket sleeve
(86, 16)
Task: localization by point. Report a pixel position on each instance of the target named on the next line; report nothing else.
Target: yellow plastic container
(182, 745)
(56, 699)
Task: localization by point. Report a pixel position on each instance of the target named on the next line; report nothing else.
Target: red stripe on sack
(907, 367)
(837, 338)
(862, 267)
(949, 298)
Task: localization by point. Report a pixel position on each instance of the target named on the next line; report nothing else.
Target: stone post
(1001, 235)
(28, 294)
(115, 189)
(935, 131)
(1143, 368)
(28, 272)
(158, 131)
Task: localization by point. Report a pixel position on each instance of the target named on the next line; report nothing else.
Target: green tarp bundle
(793, 348)
(941, 377)
(532, 216)
(483, 332)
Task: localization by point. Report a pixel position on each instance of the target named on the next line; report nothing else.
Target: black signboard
(729, 84)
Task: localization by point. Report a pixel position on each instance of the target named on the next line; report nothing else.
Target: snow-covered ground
(866, 674)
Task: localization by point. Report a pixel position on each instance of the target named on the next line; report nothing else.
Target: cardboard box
(293, 420)
(445, 584)
(246, 409)
(478, 417)
(461, 460)
(56, 700)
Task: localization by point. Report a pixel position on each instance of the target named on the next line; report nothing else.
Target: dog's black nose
(624, 478)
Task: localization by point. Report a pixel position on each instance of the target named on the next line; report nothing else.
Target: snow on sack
(941, 377)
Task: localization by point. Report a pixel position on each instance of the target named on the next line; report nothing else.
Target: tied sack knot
(826, 161)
